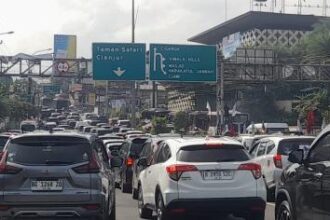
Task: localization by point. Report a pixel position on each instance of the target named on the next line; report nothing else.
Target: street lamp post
(133, 89)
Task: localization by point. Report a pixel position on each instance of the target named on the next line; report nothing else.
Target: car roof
(281, 138)
(57, 134)
(183, 142)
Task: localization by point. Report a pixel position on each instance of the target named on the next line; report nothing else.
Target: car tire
(161, 212)
(112, 215)
(284, 211)
(143, 211)
(256, 216)
(135, 194)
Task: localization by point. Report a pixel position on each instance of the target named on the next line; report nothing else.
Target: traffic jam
(75, 172)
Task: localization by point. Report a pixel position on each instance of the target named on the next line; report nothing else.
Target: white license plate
(218, 175)
(47, 185)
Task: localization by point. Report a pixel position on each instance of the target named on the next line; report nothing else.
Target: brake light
(175, 171)
(129, 162)
(278, 161)
(5, 168)
(92, 167)
(91, 206)
(253, 167)
(214, 145)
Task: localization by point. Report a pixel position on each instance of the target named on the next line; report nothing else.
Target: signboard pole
(107, 98)
(222, 94)
(133, 89)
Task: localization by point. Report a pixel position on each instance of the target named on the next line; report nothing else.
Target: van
(267, 128)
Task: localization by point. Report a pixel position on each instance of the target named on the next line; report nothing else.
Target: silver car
(56, 175)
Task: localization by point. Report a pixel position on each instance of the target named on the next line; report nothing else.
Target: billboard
(65, 46)
(230, 44)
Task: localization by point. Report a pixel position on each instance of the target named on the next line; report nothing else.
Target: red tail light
(92, 167)
(175, 171)
(4, 207)
(91, 206)
(278, 161)
(5, 168)
(129, 162)
(253, 167)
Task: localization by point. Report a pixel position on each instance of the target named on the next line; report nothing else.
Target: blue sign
(51, 89)
(183, 63)
(112, 61)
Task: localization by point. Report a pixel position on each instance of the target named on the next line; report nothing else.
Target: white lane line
(271, 204)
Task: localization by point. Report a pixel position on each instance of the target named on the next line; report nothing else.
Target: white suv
(201, 177)
(272, 154)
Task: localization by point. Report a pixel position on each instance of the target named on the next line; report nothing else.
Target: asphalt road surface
(127, 208)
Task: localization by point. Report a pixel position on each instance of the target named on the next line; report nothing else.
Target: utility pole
(133, 90)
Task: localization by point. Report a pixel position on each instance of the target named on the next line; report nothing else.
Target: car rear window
(285, 147)
(137, 145)
(3, 141)
(48, 151)
(203, 153)
(104, 132)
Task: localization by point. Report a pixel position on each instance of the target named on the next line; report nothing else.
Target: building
(250, 37)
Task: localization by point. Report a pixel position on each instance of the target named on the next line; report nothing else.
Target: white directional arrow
(119, 72)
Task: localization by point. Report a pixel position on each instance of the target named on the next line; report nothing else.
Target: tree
(159, 125)
(181, 122)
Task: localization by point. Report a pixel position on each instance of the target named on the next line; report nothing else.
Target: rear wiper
(55, 162)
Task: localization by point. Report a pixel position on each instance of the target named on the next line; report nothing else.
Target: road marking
(271, 204)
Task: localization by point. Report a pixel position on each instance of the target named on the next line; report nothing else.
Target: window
(164, 154)
(254, 150)
(287, 146)
(202, 154)
(321, 151)
(270, 147)
(261, 149)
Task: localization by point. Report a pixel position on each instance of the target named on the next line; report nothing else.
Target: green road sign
(51, 89)
(183, 63)
(112, 61)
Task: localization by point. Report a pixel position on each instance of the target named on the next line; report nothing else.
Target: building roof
(260, 20)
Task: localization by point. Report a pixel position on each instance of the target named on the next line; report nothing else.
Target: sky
(158, 21)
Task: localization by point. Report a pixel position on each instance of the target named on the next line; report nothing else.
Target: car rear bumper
(239, 206)
(49, 211)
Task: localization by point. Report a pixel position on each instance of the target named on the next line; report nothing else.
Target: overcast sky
(159, 21)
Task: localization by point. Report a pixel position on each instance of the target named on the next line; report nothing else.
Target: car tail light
(214, 145)
(129, 162)
(253, 167)
(175, 171)
(278, 161)
(91, 206)
(92, 167)
(4, 207)
(5, 168)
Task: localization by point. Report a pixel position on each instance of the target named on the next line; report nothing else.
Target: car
(304, 187)
(272, 154)
(62, 175)
(268, 128)
(110, 136)
(4, 137)
(249, 140)
(99, 125)
(103, 131)
(129, 152)
(124, 123)
(28, 126)
(87, 129)
(201, 177)
(149, 148)
(50, 125)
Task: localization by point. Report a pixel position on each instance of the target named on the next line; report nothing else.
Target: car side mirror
(116, 162)
(296, 156)
(143, 162)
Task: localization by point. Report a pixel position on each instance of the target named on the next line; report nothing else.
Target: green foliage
(181, 122)
(315, 101)
(159, 125)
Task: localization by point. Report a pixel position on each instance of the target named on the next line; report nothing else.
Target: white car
(201, 177)
(272, 154)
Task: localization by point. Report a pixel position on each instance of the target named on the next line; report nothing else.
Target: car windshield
(204, 153)
(137, 145)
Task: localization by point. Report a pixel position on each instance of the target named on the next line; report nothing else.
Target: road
(127, 208)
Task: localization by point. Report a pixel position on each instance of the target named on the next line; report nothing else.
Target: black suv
(129, 152)
(303, 192)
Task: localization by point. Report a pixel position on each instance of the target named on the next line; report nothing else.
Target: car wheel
(125, 188)
(112, 215)
(135, 194)
(143, 211)
(160, 208)
(284, 211)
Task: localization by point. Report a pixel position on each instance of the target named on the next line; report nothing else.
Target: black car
(303, 192)
(129, 152)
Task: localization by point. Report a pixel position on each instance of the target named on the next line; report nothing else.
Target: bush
(159, 125)
(181, 122)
